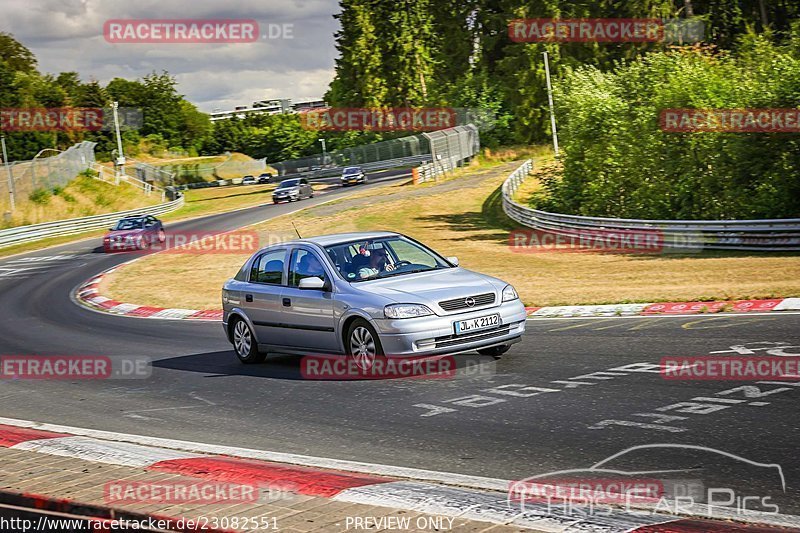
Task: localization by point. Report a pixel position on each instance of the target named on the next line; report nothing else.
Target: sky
(67, 35)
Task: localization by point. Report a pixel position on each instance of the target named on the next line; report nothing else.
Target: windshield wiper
(415, 271)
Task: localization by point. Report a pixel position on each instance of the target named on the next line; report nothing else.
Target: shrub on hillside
(618, 162)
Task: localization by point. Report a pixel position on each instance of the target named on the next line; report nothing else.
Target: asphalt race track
(573, 393)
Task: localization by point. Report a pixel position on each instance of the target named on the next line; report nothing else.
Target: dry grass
(84, 196)
(462, 217)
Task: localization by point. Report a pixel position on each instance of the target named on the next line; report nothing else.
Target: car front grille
(464, 303)
(456, 340)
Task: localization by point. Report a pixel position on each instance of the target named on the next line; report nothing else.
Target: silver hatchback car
(365, 295)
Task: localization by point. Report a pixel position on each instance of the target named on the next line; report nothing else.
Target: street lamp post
(10, 176)
(120, 162)
(550, 101)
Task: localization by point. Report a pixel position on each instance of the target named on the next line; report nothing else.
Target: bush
(40, 196)
(618, 162)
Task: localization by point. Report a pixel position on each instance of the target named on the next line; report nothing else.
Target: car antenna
(295, 230)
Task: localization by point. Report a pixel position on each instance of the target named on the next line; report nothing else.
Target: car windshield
(288, 184)
(382, 258)
(352, 170)
(129, 223)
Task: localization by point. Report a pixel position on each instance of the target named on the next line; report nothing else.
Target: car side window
(268, 268)
(305, 264)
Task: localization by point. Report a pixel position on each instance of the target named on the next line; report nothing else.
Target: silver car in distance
(365, 295)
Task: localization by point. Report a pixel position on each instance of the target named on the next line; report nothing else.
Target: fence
(449, 149)
(44, 173)
(109, 175)
(198, 172)
(746, 235)
(35, 232)
(410, 149)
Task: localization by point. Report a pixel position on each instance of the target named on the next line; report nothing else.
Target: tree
(15, 55)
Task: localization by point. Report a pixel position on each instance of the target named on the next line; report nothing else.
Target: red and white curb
(89, 295)
(352, 482)
(665, 308)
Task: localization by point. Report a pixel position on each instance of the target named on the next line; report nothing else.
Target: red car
(136, 232)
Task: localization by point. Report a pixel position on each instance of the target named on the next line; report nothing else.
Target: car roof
(352, 168)
(339, 238)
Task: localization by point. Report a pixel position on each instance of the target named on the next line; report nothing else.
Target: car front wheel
(363, 345)
(244, 343)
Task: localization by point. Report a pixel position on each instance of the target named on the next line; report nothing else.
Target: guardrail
(769, 235)
(35, 232)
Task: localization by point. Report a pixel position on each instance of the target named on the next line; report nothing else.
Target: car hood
(125, 233)
(286, 190)
(429, 288)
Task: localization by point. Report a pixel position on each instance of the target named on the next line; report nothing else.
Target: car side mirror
(312, 284)
(452, 260)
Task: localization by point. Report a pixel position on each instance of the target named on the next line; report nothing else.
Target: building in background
(269, 107)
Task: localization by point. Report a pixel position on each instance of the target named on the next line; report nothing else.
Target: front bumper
(436, 335)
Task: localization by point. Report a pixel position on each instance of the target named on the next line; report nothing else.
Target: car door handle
(248, 297)
(287, 302)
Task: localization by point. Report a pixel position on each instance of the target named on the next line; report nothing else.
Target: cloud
(67, 35)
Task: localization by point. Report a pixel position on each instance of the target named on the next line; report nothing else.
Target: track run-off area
(572, 394)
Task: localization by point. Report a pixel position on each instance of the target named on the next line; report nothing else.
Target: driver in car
(378, 263)
(310, 267)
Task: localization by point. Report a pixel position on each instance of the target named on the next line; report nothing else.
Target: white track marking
(486, 507)
(98, 451)
(249, 453)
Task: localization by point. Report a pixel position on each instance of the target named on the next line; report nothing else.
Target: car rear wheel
(162, 236)
(363, 345)
(495, 351)
(244, 343)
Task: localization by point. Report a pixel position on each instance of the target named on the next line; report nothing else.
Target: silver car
(292, 190)
(365, 295)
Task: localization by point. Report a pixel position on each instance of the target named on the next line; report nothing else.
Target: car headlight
(509, 293)
(406, 311)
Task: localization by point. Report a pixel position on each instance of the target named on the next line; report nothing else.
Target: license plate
(475, 324)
